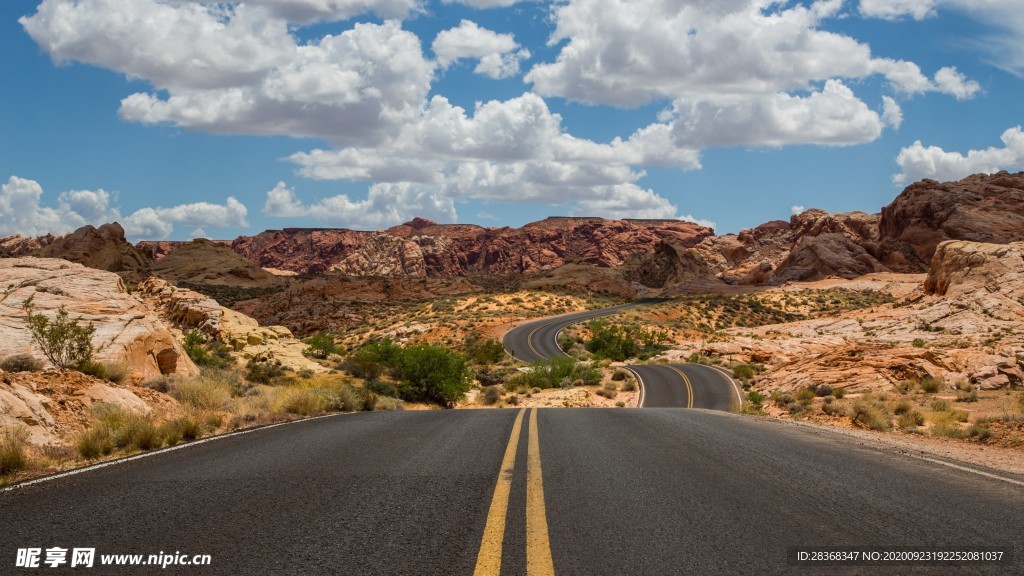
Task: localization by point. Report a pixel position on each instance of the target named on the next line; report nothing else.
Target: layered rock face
(422, 247)
(16, 245)
(187, 310)
(979, 208)
(127, 331)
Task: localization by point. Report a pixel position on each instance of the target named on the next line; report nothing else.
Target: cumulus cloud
(385, 205)
(918, 161)
(486, 3)
(833, 116)
(236, 69)
(22, 212)
(499, 55)
(629, 53)
(1004, 16)
(513, 150)
(797, 209)
(892, 113)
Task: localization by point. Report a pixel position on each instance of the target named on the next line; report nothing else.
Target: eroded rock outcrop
(103, 248)
(206, 263)
(127, 332)
(384, 255)
(188, 310)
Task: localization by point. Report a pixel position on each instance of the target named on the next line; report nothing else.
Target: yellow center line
(538, 546)
(488, 560)
(529, 339)
(689, 387)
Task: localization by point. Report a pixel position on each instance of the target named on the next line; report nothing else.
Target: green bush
(382, 388)
(208, 354)
(755, 398)
(63, 341)
(21, 363)
(263, 370)
(13, 441)
(321, 345)
(432, 373)
(483, 351)
(839, 393)
(743, 372)
(619, 343)
(629, 385)
(620, 374)
(559, 371)
(805, 396)
(979, 432)
(918, 343)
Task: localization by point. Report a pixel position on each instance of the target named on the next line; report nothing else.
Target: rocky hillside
(205, 263)
(424, 248)
(816, 244)
(128, 333)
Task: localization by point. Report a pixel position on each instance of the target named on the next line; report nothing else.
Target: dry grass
(13, 444)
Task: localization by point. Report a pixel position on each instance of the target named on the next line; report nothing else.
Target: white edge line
(182, 446)
(735, 386)
(971, 470)
(639, 404)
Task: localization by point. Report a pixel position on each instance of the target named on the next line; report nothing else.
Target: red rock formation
(979, 208)
(302, 250)
(103, 248)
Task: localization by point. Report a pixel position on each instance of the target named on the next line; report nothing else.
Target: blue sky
(186, 117)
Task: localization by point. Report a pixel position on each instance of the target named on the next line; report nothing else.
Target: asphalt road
(664, 386)
(584, 491)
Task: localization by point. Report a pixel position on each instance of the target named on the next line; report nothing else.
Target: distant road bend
(662, 385)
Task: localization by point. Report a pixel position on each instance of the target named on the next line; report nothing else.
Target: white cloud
(499, 54)
(481, 4)
(832, 117)
(304, 11)
(486, 216)
(22, 212)
(198, 233)
(629, 53)
(513, 150)
(797, 209)
(385, 205)
(950, 81)
(918, 161)
(892, 114)
(1005, 17)
(237, 69)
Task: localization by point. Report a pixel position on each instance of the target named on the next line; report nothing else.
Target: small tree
(321, 345)
(63, 341)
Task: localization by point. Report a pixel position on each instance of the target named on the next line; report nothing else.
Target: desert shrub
(64, 342)
(490, 395)
(372, 360)
(483, 351)
(382, 388)
(902, 408)
(839, 393)
(697, 358)
(805, 396)
(743, 372)
(387, 403)
(979, 432)
(300, 400)
(559, 371)
(948, 430)
(930, 385)
(21, 363)
(432, 373)
(629, 385)
(607, 393)
(619, 343)
(782, 399)
(823, 390)
(321, 345)
(182, 428)
(207, 391)
(104, 370)
(620, 374)
(940, 405)
(13, 442)
(918, 342)
(966, 396)
(513, 400)
(209, 354)
(492, 377)
(114, 427)
(263, 370)
(869, 415)
(910, 420)
(832, 408)
(755, 398)
(1020, 402)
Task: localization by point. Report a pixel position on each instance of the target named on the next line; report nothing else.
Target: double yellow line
(538, 545)
(689, 387)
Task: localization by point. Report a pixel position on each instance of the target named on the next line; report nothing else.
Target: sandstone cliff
(127, 332)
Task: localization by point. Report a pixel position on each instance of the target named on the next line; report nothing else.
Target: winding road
(538, 492)
(662, 385)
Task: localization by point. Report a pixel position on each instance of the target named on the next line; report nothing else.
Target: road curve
(664, 386)
(619, 491)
